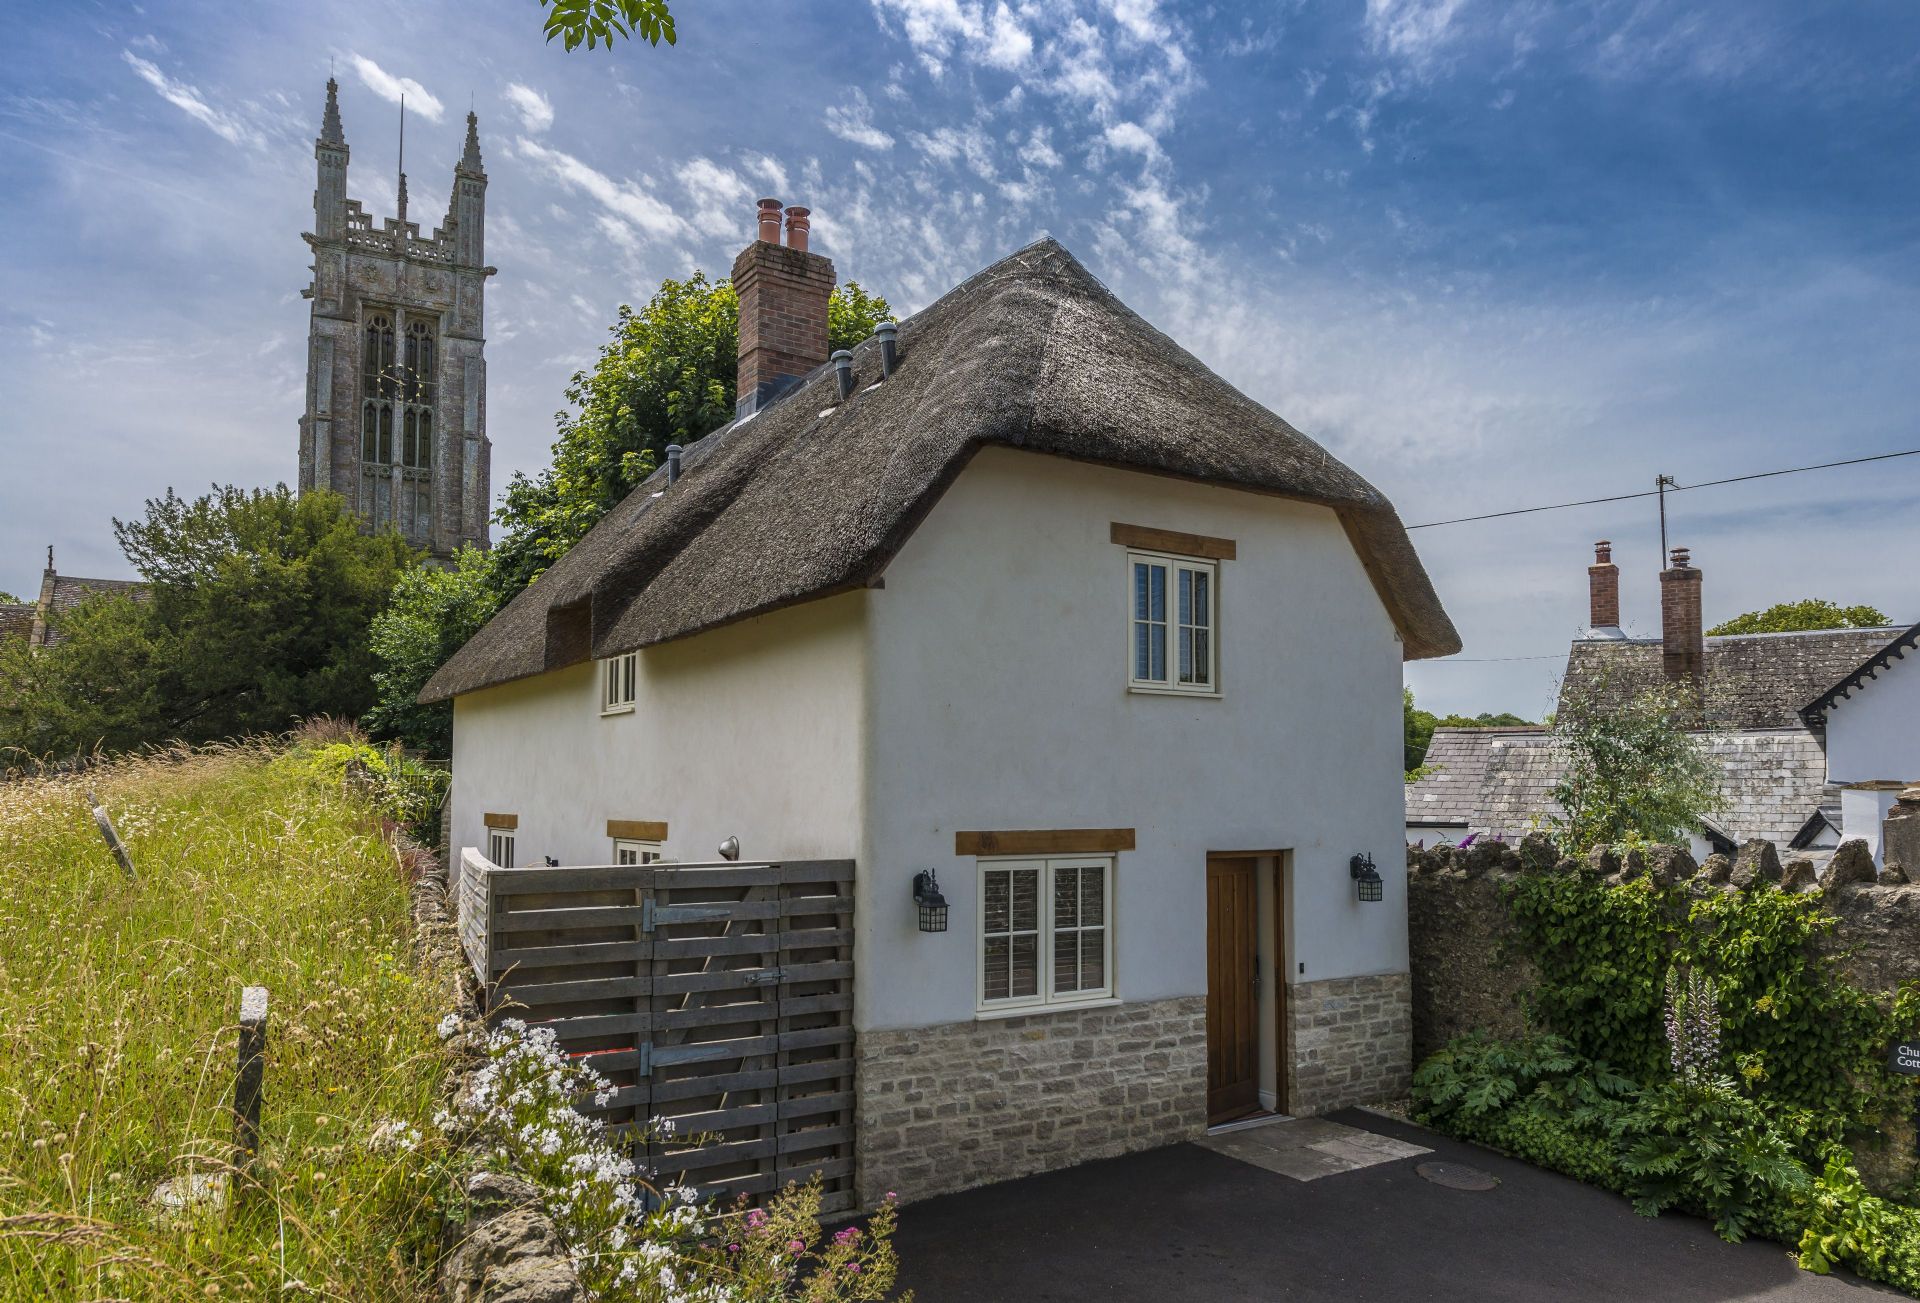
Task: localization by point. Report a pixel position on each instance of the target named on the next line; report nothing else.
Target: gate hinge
(765, 976)
(645, 1068)
(646, 915)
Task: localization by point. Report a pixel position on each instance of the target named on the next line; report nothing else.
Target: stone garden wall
(1466, 979)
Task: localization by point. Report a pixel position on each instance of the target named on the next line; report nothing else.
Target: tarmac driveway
(1186, 1223)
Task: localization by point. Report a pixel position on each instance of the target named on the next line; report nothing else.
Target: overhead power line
(1669, 488)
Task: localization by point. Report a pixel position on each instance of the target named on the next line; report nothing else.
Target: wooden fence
(718, 997)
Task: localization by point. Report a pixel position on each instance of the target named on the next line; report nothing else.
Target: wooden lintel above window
(1175, 542)
(1044, 841)
(637, 830)
(508, 822)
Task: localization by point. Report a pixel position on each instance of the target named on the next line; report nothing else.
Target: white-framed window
(1173, 642)
(500, 847)
(617, 683)
(1046, 931)
(627, 851)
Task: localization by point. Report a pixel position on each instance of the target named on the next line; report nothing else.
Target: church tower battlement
(396, 418)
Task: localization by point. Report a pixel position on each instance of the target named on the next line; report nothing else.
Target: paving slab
(1191, 1224)
(1307, 1149)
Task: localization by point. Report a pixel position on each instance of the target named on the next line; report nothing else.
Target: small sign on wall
(1905, 1058)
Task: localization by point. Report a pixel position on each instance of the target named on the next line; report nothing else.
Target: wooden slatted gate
(718, 997)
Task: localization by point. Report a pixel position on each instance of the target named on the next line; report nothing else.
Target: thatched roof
(812, 496)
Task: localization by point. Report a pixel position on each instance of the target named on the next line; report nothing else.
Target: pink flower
(846, 1236)
(756, 1218)
(854, 1267)
(892, 1195)
(733, 1248)
(794, 1246)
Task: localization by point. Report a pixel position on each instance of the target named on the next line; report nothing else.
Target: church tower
(396, 418)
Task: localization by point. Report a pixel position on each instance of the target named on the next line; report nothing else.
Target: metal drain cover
(1457, 1176)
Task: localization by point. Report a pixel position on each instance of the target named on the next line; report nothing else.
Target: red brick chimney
(1603, 588)
(783, 291)
(1683, 643)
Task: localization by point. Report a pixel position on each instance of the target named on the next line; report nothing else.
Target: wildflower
(795, 1246)
(846, 1235)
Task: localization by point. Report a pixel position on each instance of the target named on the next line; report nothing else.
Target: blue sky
(1491, 255)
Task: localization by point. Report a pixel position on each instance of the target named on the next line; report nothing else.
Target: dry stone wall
(1467, 978)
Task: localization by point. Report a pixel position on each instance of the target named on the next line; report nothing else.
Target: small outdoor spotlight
(730, 849)
(933, 905)
(1367, 884)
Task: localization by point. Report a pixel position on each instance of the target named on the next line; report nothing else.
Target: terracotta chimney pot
(770, 220)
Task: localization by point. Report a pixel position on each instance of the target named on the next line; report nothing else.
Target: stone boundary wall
(1464, 979)
(507, 1250)
(951, 1107)
(1349, 1041)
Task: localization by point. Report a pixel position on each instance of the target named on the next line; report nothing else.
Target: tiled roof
(70, 591)
(1754, 681)
(16, 619)
(1500, 781)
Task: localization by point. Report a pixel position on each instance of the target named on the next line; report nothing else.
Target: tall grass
(118, 1008)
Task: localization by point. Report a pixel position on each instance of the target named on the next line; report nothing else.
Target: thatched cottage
(1029, 599)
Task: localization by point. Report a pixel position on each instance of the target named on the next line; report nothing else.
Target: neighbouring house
(1030, 599)
(38, 620)
(1767, 699)
(1872, 722)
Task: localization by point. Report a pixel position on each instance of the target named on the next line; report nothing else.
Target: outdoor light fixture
(933, 905)
(1367, 884)
(730, 849)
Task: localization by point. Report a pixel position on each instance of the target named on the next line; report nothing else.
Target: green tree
(8, 599)
(257, 614)
(431, 615)
(1420, 724)
(1802, 616)
(597, 22)
(666, 376)
(1637, 770)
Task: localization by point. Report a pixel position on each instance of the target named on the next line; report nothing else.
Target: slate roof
(70, 591)
(1500, 782)
(1754, 681)
(813, 496)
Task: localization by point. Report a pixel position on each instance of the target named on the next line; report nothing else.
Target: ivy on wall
(1795, 1033)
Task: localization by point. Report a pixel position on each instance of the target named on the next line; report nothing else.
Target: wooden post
(113, 838)
(248, 1080)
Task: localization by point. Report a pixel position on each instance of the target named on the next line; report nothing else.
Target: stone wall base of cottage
(1349, 1041)
(964, 1104)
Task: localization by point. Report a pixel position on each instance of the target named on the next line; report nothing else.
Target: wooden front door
(1233, 990)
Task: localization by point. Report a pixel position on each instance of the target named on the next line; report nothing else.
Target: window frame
(497, 840)
(619, 675)
(644, 852)
(1045, 996)
(1171, 627)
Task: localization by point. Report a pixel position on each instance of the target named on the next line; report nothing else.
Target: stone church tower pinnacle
(396, 409)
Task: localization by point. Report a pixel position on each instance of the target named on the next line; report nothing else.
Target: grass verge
(118, 1009)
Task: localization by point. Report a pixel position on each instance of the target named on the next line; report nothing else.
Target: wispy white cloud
(629, 210)
(1412, 30)
(853, 122)
(722, 199)
(768, 170)
(188, 99)
(535, 109)
(390, 88)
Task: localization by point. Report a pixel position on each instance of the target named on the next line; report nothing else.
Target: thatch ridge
(813, 496)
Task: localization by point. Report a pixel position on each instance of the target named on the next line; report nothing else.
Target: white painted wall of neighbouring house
(753, 730)
(999, 700)
(1873, 736)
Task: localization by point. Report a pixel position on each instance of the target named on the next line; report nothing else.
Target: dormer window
(617, 675)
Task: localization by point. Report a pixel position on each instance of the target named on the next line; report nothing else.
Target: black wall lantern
(1367, 884)
(933, 905)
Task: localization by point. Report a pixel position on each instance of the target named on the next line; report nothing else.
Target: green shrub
(1845, 1226)
(1702, 1146)
(406, 790)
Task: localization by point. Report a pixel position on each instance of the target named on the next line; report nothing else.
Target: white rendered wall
(999, 700)
(753, 730)
(1861, 813)
(1875, 733)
